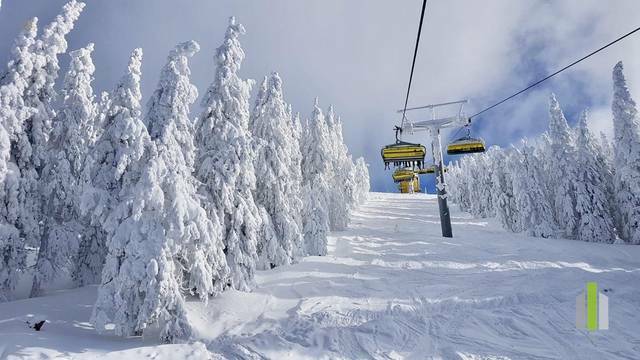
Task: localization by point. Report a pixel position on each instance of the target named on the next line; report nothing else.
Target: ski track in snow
(390, 288)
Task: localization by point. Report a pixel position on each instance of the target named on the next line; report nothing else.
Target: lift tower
(433, 127)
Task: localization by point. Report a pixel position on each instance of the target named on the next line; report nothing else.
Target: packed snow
(390, 287)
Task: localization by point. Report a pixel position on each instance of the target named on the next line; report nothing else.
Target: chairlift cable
(555, 73)
(413, 64)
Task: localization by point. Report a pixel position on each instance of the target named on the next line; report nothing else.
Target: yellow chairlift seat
(466, 145)
(404, 154)
(403, 175)
(410, 186)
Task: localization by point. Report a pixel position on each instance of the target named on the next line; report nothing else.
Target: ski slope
(390, 288)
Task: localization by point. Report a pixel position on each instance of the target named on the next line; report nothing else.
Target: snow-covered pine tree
(469, 173)
(455, 186)
(13, 113)
(604, 156)
(225, 160)
(536, 214)
(361, 176)
(503, 167)
(605, 145)
(89, 259)
(64, 227)
(474, 192)
(339, 179)
(116, 152)
(626, 126)
(595, 221)
(184, 219)
(102, 111)
(562, 170)
(165, 238)
(542, 151)
(120, 146)
(315, 171)
(16, 79)
(481, 204)
(316, 146)
(141, 282)
(278, 185)
(296, 176)
(315, 216)
(30, 148)
(12, 250)
(271, 252)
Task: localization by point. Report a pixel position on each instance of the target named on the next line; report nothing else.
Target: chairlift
(403, 154)
(410, 186)
(466, 145)
(406, 174)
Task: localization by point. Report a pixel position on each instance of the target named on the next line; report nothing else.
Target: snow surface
(391, 287)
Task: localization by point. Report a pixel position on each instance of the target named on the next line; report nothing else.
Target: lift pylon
(433, 127)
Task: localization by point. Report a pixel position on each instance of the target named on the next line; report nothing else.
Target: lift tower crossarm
(435, 105)
(440, 123)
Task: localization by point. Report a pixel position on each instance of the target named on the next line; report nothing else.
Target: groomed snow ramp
(390, 288)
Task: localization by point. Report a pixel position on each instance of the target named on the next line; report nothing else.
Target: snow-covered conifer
(361, 176)
(315, 216)
(480, 194)
(12, 250)
(14, 82)
(64, 227)
(316, 170)
(141, 282)
(340, 199)
(502, 167)
(29, 149)
(120, 146)
(605, 145)
(626, 126)
(185, 221)
(102, 112)
(13, 113)
(536, 214)
(296, 175)
(595, 222)
(315, 146)
(117, 151)
(225, 160)
(140, 279)
(455, 186)
(278, 184)
(562, 170)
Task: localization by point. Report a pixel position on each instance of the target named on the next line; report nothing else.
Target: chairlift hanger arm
(436, 124)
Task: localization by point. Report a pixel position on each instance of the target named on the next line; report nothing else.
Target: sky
(356, 55)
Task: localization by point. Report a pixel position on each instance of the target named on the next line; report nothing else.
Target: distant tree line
(564, 183)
